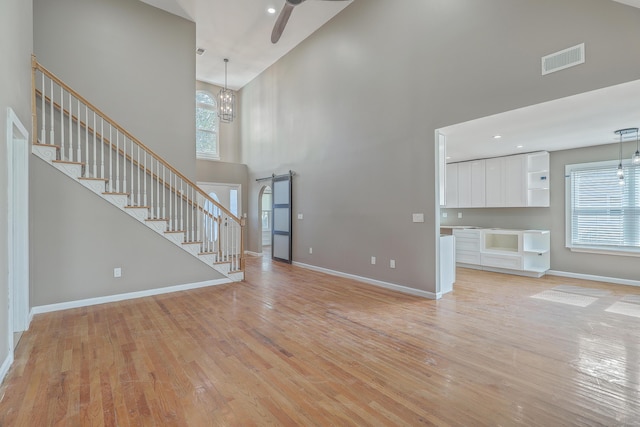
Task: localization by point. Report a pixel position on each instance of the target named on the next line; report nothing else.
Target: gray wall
(137, 64)
(133, 61)
(16, 44)
(353, 111)
(553, 218)
(81, 238)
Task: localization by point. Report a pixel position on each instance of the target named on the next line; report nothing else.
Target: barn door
(282, 220)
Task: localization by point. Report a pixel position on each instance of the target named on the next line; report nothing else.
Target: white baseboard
(591, 277)
(4, 369)
(379, 283)
(122, 297)
(253, 253)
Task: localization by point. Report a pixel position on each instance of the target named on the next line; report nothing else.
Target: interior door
(282, 220)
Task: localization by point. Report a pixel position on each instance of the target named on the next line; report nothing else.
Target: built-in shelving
(525, 252)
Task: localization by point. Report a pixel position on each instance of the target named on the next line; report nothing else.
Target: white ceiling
(241, 31)
(577, 121)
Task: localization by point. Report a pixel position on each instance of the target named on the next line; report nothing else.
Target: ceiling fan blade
(281, 22)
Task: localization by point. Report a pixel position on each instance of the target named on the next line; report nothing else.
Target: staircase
(80, 141)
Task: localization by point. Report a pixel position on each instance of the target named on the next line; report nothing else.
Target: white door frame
(238, 187)
(18, 225)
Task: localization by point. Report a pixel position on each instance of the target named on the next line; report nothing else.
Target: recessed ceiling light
(448, 157)
(519, 146)
(271, 10)
(497, 136)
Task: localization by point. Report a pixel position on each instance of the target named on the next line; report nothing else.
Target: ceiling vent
(200, 51)
(564, 59)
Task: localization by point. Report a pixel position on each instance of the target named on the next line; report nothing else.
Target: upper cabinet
(511, 181)
(471, 187)
(538, 179)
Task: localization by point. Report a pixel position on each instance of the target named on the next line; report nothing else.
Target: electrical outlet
(300, 216)
(117, 272)
(418, 217)
(459, 214)
(373, 260)
(392, 263)
(444, 214)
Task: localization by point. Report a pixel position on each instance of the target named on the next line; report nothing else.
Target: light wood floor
(296, 347)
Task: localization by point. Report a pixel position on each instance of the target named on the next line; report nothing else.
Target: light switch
(418, 217)
(300, 216)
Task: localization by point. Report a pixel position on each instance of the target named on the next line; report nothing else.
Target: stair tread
(207, 253)
(157, 219)
(39, 144)
(106, 193)
(191, 243)
(88, 178)
(68, 162)
(174, 231)
(137, 207)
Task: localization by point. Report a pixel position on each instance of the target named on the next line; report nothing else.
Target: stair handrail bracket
(87, 141)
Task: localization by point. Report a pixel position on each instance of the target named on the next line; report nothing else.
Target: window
(207, 124)
(601, 214)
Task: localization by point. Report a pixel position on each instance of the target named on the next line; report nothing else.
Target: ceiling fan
(283, 18)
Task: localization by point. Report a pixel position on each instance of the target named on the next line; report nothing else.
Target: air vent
(564, 59)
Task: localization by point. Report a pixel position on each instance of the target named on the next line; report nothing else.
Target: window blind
(603, 212)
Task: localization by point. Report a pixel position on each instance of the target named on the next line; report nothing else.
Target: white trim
(253, 253)
(379, 283)
(600, 251)
(17, 227)
(591, 277)
(4, 369)
(123, 297)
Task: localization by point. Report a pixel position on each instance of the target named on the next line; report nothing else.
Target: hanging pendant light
(226, 100)
(622, 133)
(635, 160)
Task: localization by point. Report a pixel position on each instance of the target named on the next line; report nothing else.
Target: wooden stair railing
(86, 135)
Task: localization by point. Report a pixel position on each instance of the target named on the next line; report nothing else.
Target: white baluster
(144, 177)
(95, 145)
(43, 114)
(86, 138)
(62, 141)
(164, 194)
(101, 148)
(170, 201)
(52, 137)
(110, 158)
(182, 210)
(117, 161)
(138, 174)
(70, 128)
(79, 133)
(153, 207)
(133, 194)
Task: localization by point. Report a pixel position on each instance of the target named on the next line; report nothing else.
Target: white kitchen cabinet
(467, 246)
(523, 252)
(515, 183)
(538, 179)
(520, 180)
(447, 263)
(494, 182)
(471, 186)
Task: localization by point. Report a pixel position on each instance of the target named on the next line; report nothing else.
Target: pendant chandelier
(622, 133)
(226, 100)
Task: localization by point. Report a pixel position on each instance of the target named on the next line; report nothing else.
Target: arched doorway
(265, 219)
